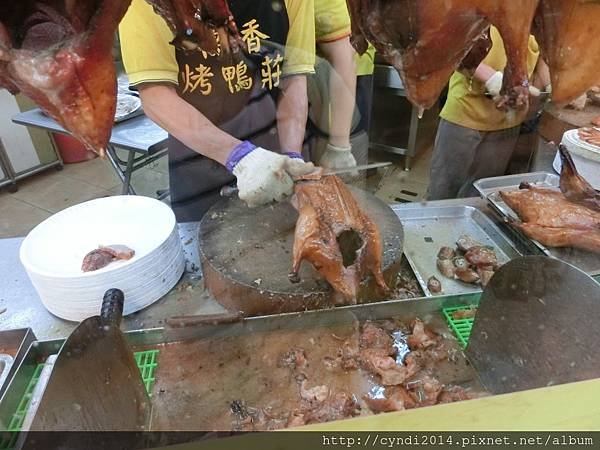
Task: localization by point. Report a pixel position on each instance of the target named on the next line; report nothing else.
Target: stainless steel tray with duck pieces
(427, 229)
(489, 189)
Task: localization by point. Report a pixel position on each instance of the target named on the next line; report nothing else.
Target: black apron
(246, 114)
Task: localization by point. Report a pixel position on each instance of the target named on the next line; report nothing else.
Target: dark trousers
(462, 155)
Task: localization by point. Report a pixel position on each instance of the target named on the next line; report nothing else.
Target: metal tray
(489, 189)
(426, 229)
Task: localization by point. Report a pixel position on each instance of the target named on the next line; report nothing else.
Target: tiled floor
(51, 191)
(48, 192)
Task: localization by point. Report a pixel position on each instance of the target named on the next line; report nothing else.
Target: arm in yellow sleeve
(300, 45)
(147, 53)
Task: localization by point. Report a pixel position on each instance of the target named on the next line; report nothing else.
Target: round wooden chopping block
(246, 256)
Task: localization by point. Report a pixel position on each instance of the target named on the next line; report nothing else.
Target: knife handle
(112, 307)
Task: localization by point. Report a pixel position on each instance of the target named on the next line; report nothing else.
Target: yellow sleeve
(145, 40)
(300, 45)
(332, 20)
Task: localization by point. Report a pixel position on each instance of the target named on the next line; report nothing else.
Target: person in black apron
(242, 98)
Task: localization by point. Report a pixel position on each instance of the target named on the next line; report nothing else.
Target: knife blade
(228, 191)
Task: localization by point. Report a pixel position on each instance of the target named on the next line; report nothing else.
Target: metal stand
(387, 78)
(125, 169)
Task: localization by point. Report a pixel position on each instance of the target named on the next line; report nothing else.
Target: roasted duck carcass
(335, 236)
(58, 53)
(549, 218)
(427, 40)
(574, 187)
(563, 29)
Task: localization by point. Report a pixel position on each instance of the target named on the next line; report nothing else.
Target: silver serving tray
(489, 189)
(426, 229)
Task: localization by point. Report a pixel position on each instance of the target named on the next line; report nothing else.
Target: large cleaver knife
(95, 384)
(537, 325)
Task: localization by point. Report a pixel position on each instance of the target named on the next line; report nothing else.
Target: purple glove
(238, 153)
(293, 155)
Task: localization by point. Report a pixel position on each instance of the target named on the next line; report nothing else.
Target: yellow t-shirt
(365, 64)
(148, 55)
(467, 104)
(332, 20)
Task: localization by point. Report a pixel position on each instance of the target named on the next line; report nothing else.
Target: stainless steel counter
(25, 309)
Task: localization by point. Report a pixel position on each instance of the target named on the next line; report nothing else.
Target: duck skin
(58, 53)
(427, 40)
(574, 187)
(335, 236)
(566, 31)
(549, 218)
(204, 25)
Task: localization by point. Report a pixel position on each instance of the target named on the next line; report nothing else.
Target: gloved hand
(264, 176)
(494, 84)
(337, 158)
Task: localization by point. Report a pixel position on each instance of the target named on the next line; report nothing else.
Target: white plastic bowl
(53, 251)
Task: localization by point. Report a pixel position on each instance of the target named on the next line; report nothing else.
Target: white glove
(494, 84)
(337, 158)
(264, 176)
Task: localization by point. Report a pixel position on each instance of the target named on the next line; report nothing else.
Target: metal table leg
(124, 175)
(412, 137)
(127, 189)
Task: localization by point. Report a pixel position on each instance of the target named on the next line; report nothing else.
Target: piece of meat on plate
(104, 255)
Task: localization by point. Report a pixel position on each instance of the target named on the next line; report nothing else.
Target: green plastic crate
(146, 362)
(460, 327)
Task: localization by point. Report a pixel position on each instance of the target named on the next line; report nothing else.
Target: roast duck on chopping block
(570, 218)
(335, 236)
(59, 54)
(427, 40)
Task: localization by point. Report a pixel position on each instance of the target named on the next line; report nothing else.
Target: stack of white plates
(53, 251)
(585, 156)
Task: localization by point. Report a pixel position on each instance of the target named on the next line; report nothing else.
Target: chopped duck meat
(434, 285)
(485, 275)
(466, 243)
(104, 255)
(425, 390)
(347, 355)
(387, 399)
(481, 256)
(294, 359)
(446, 253)
(464, 313)
(452, 394)
(421, 337)
(373, 336)
(335, 236)
(339, 406)
(446, 267)
(467, 276)
(315, 394)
